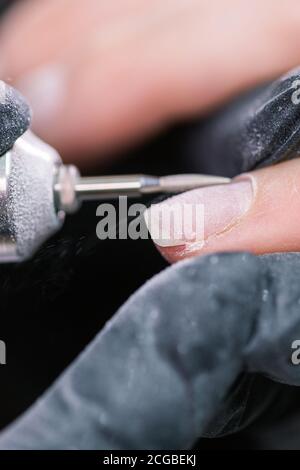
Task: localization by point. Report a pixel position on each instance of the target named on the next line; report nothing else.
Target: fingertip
(263, 219)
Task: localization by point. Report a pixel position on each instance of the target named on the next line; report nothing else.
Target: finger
(258, 212)
(35, 32)
(70, 32)
(136, 75)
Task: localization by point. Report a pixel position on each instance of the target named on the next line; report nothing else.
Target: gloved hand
(165, 370)
(158, 374)
(15, 116)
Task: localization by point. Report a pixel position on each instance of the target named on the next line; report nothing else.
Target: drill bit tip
(180, 183)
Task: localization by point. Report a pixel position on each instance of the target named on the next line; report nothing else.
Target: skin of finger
(271, 225)
(35, 32)
(99, 46)
(179, 62)
(147, 80)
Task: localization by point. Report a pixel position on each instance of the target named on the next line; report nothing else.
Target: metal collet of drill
(37, 191)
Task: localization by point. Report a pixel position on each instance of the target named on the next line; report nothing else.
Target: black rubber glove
(258, 129)
(15, 116)
(158, 373)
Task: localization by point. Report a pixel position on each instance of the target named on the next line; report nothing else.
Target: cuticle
(247, 177)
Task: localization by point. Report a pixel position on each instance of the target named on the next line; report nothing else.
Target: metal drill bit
(88, 188)
(71, 188)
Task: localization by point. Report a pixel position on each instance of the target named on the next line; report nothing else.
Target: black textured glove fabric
(15, 116)
(156, 376)
(258, 129)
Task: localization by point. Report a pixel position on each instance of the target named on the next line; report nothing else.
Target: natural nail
(197, 215)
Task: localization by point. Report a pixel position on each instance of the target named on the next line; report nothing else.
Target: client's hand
(101, 74)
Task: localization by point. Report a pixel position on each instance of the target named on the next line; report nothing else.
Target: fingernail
(195, 216)
(44, 89)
